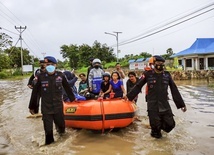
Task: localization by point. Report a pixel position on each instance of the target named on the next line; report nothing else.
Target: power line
(164, 25)
(8, 30)
(12, 13)
(29, 34)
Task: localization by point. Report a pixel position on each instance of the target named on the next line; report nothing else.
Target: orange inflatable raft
(99, 114)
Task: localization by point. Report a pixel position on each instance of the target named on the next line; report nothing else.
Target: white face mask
(152, 66)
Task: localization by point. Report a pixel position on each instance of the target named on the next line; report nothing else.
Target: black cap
(41, 61)
(159, 58)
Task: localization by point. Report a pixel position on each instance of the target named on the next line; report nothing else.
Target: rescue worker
(95, 77)
(50, 84)
(41, 69)
(32, 80)
(148, 68)
(159, 110)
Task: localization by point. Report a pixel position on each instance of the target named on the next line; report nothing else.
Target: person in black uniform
(50, 85)
(159, 110)
(32, 80)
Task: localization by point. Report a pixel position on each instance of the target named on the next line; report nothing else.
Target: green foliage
(3, 75)
(14, 54)
(79, 56)
(4, 62)
(17, 72)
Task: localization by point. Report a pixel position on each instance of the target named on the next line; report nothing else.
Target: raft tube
(99, 114)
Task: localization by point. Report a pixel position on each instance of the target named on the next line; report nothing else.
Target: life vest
(96, 84)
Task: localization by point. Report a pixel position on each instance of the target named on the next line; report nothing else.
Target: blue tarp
(200, 46)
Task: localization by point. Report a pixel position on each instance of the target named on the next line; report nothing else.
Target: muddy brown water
(193, 134)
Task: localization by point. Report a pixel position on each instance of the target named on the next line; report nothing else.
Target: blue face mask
(50, 68)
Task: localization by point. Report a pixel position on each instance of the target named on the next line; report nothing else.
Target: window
(211, 62)
(179, 62)
(188, 62)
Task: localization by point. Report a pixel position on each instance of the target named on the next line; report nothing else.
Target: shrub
(3, 75)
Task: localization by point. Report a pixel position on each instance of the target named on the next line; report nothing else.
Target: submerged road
(193, 133)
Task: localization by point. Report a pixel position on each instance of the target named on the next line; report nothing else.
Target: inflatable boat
(99, 114)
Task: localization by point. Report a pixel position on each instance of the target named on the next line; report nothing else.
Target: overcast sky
(53, 23)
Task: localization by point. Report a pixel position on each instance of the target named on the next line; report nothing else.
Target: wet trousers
(161, 121)
(48, 120)
(37, 104)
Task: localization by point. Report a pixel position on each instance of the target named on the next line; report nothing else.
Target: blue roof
(130, 61)
(147, 60)
(200, 46)
(140, 60)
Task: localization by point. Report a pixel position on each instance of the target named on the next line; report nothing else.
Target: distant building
(200, 55)
(138, 64)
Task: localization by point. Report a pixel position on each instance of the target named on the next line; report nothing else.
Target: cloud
(52, 23)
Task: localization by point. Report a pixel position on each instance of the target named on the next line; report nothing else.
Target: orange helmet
(151, 60)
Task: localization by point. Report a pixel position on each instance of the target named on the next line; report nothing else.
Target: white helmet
(96, 61)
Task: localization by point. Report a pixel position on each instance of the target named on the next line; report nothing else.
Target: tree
(14, 54)
(145, 54)
(78, 56)
(5, 40)
(71, 52)
(169, 51)
(4, 61)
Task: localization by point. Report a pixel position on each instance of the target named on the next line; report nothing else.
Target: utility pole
(116, 35)
(20, 30)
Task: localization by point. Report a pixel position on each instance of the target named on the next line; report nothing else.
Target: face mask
(96, 66)
(159, 67)
(152, 66)
(50, 68)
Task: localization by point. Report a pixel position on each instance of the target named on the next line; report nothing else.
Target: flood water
(193, 134)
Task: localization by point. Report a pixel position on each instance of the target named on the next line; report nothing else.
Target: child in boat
(117, 85)
(105, 85)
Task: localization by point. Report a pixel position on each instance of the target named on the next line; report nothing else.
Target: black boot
(49, 139)
(156, 134)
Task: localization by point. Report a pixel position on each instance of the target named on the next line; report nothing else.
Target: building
(138, 64)
(200, 55)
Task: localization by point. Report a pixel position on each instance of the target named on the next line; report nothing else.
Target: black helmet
(158, 58)
(106, 74)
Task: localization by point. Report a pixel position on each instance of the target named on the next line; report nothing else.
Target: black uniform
(50, 87)
(159, 110)
(32, 81)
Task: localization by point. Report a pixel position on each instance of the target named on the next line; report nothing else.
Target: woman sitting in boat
(116, 85)
(95, 78)
(105, 86)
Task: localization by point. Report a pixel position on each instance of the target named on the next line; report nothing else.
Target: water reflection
(19, 135)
